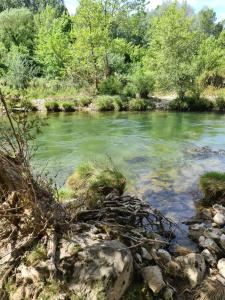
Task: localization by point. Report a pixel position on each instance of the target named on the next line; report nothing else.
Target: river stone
(213, 233)
(211, 260)
(101, 269)
(209, 244)
(153, 277)
(145, 254)
(196, 230)
(193, 267)
(221, 266)
(219, 218)
(164, 255)
(222, 241)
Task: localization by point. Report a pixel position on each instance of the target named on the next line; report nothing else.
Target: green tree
(17, 28)
(34, 5)
(172, 46)
(52, 42)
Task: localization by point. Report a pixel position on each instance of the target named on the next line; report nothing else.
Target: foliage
(111, 86)
(191, 104)
(52, 106)
(137, 105)
(173, 44)
(142, 82)
(220, 103)
(92, 182)
(84, 101)
(52, 42)
(68, 106)
(108, 103)
(65, 194)
(212, 185)
(38, 254)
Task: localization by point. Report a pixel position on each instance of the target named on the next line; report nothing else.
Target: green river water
(161, 153)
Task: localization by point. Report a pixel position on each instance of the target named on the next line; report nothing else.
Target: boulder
(153, 277)
(193, 267)
(196, 230)
(221, 267)
(103, 269)
(219, 219)
(222, 241)
(145, 254)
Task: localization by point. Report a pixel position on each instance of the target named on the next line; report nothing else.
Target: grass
(191, 104)
(137, 105)
(212, 185)
(52, 106)
(84, 101)
(108, 103)
(93, 182)
(37, 255)
(68, 107)
(220, 103)
(65, 194)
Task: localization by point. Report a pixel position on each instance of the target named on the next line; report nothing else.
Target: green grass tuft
(92, 183)
(137, 105)
(52, 106)
(212, 185)
(68, 107)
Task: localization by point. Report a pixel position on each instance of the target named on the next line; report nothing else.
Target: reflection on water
(161, 153)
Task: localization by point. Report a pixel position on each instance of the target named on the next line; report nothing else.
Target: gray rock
(196, 230)
(222, 241)
(193, 267)
(213, 233)
(209, 244)
(145, 254)
(105, 269)
(164, 255)
(221, 267)
(153, 277)
(168, 294)
(211, 260)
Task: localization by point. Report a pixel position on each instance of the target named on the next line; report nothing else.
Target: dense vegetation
(111, 47)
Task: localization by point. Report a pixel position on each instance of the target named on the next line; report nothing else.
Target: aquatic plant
(212, 185)
(92, 182)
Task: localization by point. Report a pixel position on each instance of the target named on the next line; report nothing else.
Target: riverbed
(162, 154)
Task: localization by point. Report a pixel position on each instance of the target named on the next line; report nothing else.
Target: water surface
(161, 153)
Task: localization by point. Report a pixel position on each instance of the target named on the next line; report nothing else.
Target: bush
(68, 107)
(109, 103)
(137, 105)
(52, 106)
(27, 105)
(191, 104)
(111, 86)
(92, 183)
(220, 103)
(212, 185)
(141, 83)
(84, 101)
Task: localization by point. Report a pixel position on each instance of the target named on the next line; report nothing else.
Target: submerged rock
(153, 277)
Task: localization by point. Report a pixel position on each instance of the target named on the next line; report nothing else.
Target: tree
(207, 23)
(52, 42)
(17, 28)
(172, 45)
(34, 5)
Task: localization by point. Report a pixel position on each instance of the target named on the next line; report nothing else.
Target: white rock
(193, 266)
(153, 277)
(222, 241)
(164, 255)
(221, 267)
(213, 233)
(219, 218)
(211, 260)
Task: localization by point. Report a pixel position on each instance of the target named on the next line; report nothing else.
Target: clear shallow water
(161, 153)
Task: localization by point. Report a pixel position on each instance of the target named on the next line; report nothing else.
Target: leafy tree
(34, 5)
(52, 42)
(17, 28)
(207, 23)
(172, 46)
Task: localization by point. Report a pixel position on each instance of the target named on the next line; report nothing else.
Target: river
(162, 154)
